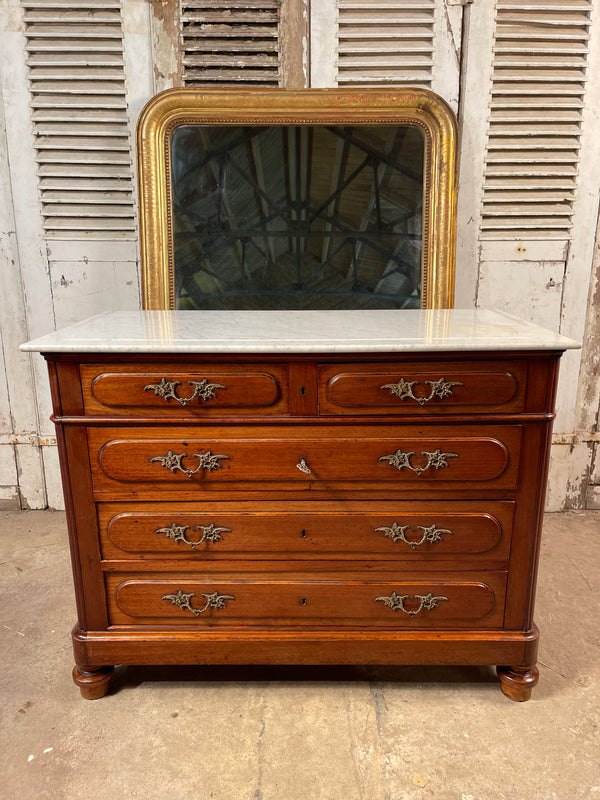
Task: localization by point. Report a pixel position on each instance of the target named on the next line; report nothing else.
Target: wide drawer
(316, 460)
(465, 600)
(201, 390)
(423, 388)
(207, 532)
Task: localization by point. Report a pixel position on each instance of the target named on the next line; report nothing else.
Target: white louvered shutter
(230, 43)
(400, 42)
(385, 41)
(79, 108)
(537, 97)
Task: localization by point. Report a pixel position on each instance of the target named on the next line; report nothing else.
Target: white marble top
(299, 332)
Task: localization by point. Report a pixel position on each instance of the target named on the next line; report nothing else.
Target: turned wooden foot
(93, 682)
(517, 682)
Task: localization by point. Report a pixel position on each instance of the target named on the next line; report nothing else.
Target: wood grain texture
(463, 601)
(252, 389)
(479, 532)
(476, 387)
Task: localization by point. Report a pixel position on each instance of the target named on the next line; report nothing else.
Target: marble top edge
(299, 332)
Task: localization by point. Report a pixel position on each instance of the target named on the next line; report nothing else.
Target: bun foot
(93, 682)
(517, 682)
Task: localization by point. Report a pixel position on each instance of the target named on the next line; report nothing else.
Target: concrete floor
(410, 733)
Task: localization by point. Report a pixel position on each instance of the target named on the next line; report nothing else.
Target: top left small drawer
(185, 390)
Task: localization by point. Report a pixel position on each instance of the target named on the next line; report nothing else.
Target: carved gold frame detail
(418, 107)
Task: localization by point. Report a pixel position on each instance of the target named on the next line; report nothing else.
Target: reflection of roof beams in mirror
(321, 204)
(297, 216)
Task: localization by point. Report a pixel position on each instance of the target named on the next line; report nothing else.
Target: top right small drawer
(449, 387)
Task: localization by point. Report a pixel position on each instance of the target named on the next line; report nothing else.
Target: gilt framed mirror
(309, 199)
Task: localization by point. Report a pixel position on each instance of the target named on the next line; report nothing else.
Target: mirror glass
(297, 216)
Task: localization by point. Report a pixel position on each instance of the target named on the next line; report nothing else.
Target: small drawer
(407, 531)
(186, 390)
(422, 388)
(463, 600)
(259, 459)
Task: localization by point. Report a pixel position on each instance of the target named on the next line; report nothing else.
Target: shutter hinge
(458, 2)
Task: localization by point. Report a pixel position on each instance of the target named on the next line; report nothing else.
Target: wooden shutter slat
(234, 43)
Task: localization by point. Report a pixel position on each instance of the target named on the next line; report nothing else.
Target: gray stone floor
(285, 734)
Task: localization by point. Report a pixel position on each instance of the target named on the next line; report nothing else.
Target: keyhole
(303, 390)
(303, 534)
(303, 601)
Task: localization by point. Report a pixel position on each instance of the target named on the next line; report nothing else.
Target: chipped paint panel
(447, 51)
(32, 486)
(81, 290)
(165, 44)
(588, 398)
(568, 477)
(294, 44)
(529, 290)
(8, 465)
(593, 498)
(54, 490)
(595, 469)
(323, 44)
(524, 250)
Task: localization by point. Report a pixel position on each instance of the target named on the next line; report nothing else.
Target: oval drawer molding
(185, 391)
(421, 389)
(467, 600)
(396, 530)
(482, 454)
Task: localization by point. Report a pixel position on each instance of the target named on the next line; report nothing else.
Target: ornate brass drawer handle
(210, 533)
(403, 390)
(435, 460)
(213, 600)
(168, 390)
(172, 461)
(397, 533)
(396, 602)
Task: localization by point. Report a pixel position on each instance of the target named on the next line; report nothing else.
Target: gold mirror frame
(417, 107)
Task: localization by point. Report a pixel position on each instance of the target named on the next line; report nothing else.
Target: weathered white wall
(47, 284)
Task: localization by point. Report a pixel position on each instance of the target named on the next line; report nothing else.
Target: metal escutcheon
(303, 466)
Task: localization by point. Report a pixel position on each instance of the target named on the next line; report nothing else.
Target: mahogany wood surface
(120, 389)
(477, 602)
(424, 532)
(298, 553)
(369, 388)
(251, 457)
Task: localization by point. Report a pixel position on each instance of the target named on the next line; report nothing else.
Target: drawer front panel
(393, 530)
(422, 388)
(482, 455)
(465, 601)
(186, 390)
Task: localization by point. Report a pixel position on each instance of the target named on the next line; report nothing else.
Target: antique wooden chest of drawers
(304, 488)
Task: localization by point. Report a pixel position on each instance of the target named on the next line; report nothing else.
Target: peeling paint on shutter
(230, 43)
(537, 96)
(79, 110)
(385, 42)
